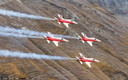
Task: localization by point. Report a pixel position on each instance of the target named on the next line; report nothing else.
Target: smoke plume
(17, 35)
(22, 15)
(30, 32)
(18, 54)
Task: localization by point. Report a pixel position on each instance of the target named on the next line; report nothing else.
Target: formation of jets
(84, 38)
(50, 38)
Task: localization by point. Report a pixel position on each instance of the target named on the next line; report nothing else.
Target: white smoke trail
(17, 35)
(18, 54)
(22, 15)
(31, 32)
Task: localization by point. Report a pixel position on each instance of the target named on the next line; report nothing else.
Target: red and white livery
(66, 22)
(55, 40)
(88, 61)
(88, 40)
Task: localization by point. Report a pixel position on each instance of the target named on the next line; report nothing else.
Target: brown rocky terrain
(112, 6)
(118, 8)
(92, 20)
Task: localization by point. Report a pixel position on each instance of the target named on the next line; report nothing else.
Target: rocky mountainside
(115, 7)
(93, 20)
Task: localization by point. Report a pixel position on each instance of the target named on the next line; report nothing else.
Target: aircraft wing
(55, 42)
(88, 63)
(89, 42)
(66, 24)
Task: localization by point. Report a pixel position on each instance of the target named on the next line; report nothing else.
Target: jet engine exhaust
(18, 54)
(30, 32)
(22, 15)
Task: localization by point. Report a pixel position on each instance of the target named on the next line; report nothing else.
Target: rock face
(92, 20)
(118, 8)
(113, 6)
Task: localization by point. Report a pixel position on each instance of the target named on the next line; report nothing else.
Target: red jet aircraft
(88, 61)
(54, 40)
(64, 21)
(89, 40)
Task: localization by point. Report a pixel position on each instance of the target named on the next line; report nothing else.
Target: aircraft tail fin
(60, 16)
(84, 35)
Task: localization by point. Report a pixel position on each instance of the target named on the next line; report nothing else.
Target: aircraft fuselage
(65, 21)
(54, 39)
(85, 60)
(87, 39)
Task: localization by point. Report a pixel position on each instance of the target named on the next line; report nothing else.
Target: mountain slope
(93, 20)
(115, 7)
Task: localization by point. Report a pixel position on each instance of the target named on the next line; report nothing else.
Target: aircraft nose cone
(98, 40)
(65, 40)
(75, 22)
(97, 60)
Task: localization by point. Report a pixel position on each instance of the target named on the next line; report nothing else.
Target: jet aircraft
(55, 40)
(89, 40)
(88, 61)
(66, 22)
